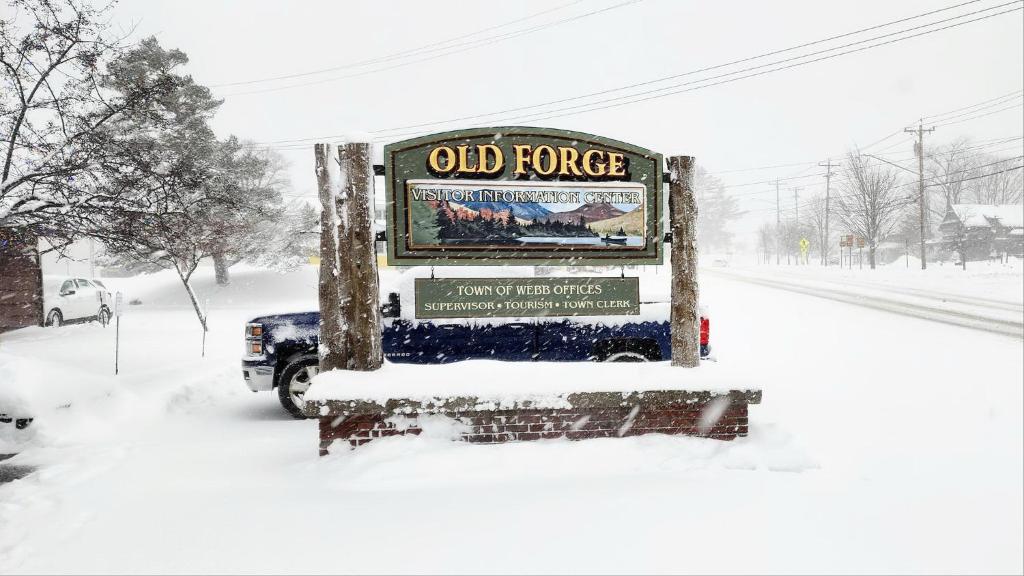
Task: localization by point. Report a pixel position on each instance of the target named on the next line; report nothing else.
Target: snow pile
(885, 444)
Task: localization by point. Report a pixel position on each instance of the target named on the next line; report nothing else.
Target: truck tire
(295, 380)
(627, 350)
(626, 357)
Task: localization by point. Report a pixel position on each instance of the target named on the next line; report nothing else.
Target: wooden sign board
(526, 196)
(525, 297)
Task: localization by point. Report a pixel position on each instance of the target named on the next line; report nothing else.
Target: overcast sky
(804, 114)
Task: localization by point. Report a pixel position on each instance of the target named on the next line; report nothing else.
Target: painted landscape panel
(529, 215)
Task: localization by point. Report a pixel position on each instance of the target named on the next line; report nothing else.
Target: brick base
(658, 413)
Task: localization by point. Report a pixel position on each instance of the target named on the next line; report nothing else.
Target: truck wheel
(626, 357)
(55, 318)
(295, 380)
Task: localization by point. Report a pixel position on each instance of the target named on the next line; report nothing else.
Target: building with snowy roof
(981, 231)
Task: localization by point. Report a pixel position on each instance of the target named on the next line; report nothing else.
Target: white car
(79, 299)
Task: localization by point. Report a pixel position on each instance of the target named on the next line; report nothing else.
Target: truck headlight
(254, 339)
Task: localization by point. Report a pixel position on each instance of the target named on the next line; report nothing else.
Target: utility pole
(828, 192)
(778, 222)
(920, 130)
(796, 216)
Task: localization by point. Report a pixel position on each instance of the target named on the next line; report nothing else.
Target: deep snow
(883, 444)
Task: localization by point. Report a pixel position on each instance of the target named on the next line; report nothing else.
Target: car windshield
(100, 284)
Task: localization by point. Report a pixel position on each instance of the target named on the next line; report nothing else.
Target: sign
(846, 241)
(118, 304)
(804, 245)
(860, 242)
(522, 196)
(523, 297)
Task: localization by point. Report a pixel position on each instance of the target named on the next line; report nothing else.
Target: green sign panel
(518, 195)
(521, 297)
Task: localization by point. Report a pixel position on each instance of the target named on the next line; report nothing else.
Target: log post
(332, 350)
(682, 209)
(358, 258)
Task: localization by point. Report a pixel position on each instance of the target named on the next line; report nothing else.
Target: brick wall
(660, 415)
(21, 282)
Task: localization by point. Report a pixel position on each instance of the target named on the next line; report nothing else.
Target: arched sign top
(522, 195)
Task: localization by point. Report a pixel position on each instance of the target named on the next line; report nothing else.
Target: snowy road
(980, 313)
(885, 443)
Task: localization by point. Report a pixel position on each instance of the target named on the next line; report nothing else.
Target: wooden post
(332, 351)
(360, 293)
(682, 209)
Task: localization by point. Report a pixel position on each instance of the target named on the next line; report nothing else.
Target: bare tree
(1005, 185)
(870, 203)
(814, 222)
(946, 172)
(54, 107)
(766, 240)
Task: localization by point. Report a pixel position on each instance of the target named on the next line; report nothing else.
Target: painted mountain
(525, 210)
(632, 223)
(589, 212)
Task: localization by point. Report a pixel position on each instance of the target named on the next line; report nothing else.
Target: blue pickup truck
(281, 349)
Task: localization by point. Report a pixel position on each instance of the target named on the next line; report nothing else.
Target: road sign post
(118, 305)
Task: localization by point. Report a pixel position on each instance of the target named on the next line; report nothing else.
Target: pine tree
(444, 223)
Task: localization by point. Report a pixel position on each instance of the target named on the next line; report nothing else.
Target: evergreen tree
(445, 228)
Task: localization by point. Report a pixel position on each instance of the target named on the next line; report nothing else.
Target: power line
(977, 110)
(980, 115)
(844, 180)
(579, 109)
(460, 48)
(396, 55)
(912, 199)
(684, 74)
(708, 68)
(935, 117)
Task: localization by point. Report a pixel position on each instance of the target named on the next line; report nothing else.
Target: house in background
(983, 231)
(21, 281)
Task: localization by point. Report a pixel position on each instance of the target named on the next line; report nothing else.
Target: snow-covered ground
(883, 444)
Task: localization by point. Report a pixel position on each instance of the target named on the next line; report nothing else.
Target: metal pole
(117, 343)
